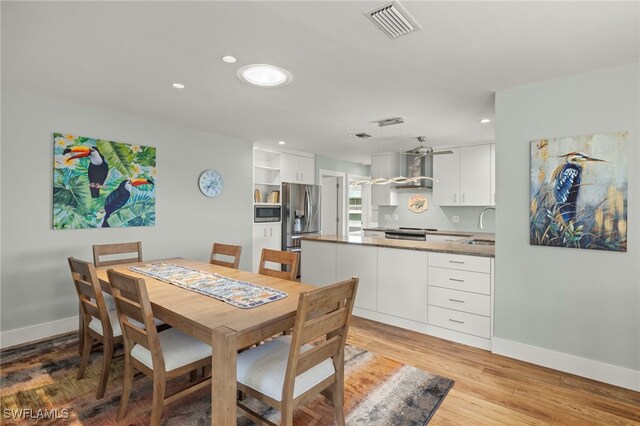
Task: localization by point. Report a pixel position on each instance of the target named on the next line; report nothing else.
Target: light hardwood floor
(492, 389)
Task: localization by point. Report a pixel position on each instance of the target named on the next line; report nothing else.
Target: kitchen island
(441, 288)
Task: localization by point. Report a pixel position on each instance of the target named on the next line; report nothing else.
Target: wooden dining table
(225, 327)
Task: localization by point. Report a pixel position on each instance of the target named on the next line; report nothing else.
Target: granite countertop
(435, 246)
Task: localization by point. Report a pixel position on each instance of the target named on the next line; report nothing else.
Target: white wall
(36, 285)
(584, 303)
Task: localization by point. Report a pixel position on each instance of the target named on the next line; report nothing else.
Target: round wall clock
(211, 183)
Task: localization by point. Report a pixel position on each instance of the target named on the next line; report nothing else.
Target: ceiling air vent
(362, 135)
(393, 19)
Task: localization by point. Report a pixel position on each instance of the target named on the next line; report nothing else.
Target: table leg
(223, 384)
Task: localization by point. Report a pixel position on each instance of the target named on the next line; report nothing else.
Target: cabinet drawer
(460, 321)
(460, 261)
(460, 280)
(472, 303)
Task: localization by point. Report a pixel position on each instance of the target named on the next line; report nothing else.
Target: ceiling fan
(421, 151)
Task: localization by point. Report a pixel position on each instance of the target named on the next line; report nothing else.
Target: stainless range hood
(414, 165)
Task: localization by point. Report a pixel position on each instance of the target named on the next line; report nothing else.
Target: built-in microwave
(267, 213)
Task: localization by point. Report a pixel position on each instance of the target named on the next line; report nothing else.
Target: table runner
(237, 293)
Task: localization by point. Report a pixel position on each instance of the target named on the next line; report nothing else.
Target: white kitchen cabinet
(265, 235)
(440, 294)
(359, 261)
(475, 175)
(386, 166)
(318, 263)
(446, 171)
(459, 294)
(297, 168)
(402, 283)
(464, 177)
(493, 174)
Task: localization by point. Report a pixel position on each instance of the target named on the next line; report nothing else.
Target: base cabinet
(359, 261)
(460, 293)
(265, 235)
(402, 273)
(440, 294)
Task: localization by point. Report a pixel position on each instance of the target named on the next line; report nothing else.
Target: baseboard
(37, 332)
(596, 370)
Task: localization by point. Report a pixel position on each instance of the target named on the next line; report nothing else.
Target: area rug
(38, 382)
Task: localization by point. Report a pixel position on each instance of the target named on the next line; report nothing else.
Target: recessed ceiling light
(178, 85)
(485, 120)
(229, 59)
(264, 75)
(281, 142)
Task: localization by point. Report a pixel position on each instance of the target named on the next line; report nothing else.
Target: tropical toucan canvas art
(579, 192)
(102, 184)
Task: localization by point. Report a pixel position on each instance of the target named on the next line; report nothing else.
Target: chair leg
(86, 351)
(286, 414)
(126, 388)
(107, 356)
(159, 386)
(80, 332)
(337, 391)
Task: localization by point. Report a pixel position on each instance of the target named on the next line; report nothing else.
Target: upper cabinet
(446, 171)
(464, 177)
(385, 165)
(298, 168)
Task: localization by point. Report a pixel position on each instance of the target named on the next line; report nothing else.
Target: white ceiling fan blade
(441, 152)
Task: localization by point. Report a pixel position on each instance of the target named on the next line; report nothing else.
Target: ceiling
(347, 73)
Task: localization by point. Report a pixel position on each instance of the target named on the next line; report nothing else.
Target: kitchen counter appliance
(300, 214)
(414, 234)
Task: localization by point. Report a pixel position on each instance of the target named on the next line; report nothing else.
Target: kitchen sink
(479, 242)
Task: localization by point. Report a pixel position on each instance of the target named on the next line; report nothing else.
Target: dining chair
(225, 250)
(161, 356)
(98, 323)
(286, 371)
(289, 259)
(100, 251)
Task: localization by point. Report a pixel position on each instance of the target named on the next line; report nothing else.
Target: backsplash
(436, 217)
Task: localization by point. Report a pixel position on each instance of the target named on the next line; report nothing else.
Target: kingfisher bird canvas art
(579, 192)
(101, 184)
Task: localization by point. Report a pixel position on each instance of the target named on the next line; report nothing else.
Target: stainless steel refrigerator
(300, 214)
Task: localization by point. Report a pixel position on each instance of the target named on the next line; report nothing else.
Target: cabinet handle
(456, 321)
(455, 198)
(301, 176)
(463, 197)
(456, 300)
(460, 262)
(265, 232)
(297, 176)
(455, 279)
(271, 232)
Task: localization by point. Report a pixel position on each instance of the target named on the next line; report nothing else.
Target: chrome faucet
(482, 215)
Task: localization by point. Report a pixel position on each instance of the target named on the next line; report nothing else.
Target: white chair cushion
(178, 349)
(263, 368)
(96, 324)
(109, 301)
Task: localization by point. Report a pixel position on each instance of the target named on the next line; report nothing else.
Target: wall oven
(267, 213)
